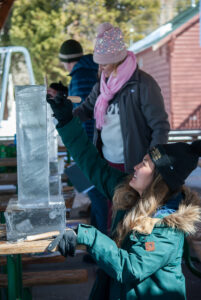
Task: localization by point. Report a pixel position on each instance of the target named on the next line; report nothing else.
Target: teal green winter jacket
(147, 266)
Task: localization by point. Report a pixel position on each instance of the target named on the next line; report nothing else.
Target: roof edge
(175, 33)
(164, 33)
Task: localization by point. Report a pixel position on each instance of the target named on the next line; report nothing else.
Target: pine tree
(41, 26)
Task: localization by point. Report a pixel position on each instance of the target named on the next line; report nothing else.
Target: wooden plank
(8, 191)
(43, 259)
(3, 203)
(70, 222)
(23, 247)
(7, 141)
(2, 230)
(5, 198)
(61, 148)
(78, 221)
(27, 259)
(8, 178)
(67, 188)
(50, 278)
(27, 247)
(8, 162)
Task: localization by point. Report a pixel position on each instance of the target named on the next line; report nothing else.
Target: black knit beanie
(70, 51)
(175, 161)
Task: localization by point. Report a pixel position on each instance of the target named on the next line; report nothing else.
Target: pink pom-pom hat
(110, 47)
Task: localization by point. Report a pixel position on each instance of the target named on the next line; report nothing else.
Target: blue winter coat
(84, 77)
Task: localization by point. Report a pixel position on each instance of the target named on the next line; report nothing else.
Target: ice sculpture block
(32, 158)
(52, 142)
(54, 176)
(34, 211)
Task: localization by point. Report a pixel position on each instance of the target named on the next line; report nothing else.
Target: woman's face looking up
(143, 175)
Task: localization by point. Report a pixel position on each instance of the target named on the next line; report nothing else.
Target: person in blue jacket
(152, 213)
(83, 72)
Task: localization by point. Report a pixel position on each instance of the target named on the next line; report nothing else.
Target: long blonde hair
(139, 208)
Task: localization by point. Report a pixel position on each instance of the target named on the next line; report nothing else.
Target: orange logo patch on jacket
(149, 246)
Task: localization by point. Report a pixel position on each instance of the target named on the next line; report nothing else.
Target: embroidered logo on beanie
(175, 161)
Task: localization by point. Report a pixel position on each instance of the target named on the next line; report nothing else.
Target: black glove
(66, 243)
(59, 87)
(61, 107)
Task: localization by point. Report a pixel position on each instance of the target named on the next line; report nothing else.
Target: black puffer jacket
(144, 121)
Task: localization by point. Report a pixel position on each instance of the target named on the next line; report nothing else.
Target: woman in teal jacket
(152, 213)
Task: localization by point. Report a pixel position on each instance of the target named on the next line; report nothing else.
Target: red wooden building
(172, 55)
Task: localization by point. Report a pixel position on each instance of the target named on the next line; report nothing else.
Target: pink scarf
(113, 85)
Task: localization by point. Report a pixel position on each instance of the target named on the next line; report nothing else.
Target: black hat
(175, 161)
(70, 50)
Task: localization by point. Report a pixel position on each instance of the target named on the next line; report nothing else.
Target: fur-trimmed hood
(184, 219)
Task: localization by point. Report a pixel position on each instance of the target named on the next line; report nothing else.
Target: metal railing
(184, 136)
(6, 53)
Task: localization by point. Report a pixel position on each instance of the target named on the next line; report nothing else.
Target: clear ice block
(54, 178)
(55, 185)
(52, 136)
(40, 206)
(21, 222)
(32, 158)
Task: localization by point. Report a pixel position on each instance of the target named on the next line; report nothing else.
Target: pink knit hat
(109, 47)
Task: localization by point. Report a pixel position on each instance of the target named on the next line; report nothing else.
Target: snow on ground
(8, 127)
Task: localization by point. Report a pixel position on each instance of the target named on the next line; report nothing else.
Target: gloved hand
(66, 243)
(61, 107)
(55, 87)
(59, 87)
